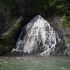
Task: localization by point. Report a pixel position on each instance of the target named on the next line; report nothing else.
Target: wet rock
(67, 50)
(2, 51)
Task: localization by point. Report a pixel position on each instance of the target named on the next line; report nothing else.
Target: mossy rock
(7, 40)
(68, 40)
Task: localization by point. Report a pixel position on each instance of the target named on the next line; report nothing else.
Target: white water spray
(39, 37)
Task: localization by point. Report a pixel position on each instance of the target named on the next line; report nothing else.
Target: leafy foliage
(33, 7)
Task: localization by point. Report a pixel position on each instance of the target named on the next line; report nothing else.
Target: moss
(68, 40)
(64, 21)
(7, 42)
(66, 26)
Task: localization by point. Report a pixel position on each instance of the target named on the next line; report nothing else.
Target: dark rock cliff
(2, 19)
(9, 30)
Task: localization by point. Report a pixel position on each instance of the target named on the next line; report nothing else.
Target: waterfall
(37, 37)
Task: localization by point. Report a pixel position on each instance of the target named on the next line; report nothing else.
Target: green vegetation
(68, 40)
(11, 7)
(66, 21)
(27, 7)
(7, 42)
(66, 25)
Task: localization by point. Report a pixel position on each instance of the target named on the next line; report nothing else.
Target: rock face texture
(8, 32)
(2, 19)
(64, 34)
(38, 37)
(9, 28)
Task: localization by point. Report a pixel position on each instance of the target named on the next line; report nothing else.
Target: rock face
(64, 34)
(38, 37)
(2, 19)
(9, 28)
(2, 52)
(8, 36)
(67, 51)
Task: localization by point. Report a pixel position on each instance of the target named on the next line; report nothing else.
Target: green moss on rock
(68, 40)
(7, 40)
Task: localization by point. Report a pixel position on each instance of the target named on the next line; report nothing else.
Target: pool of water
(34, 63)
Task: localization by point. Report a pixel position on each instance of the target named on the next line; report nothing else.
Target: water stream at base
(34, 63)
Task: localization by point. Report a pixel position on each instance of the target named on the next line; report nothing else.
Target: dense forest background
(13, 9)
(31, 8)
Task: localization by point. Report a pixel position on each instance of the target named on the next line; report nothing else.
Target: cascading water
(37, 37)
